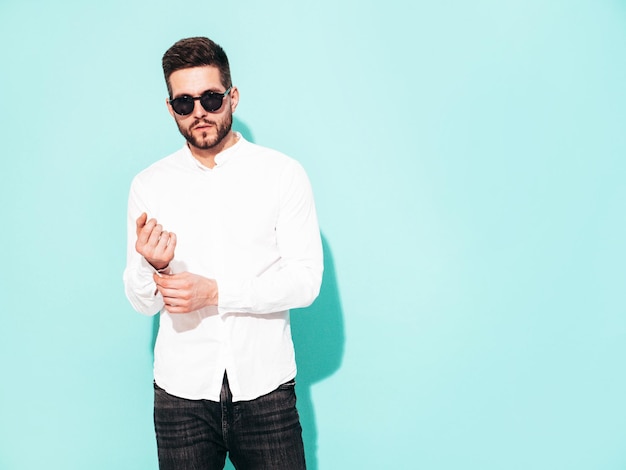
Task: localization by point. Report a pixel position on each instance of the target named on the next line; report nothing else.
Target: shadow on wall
(318, 337)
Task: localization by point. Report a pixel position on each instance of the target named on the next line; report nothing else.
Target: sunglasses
(209, 100)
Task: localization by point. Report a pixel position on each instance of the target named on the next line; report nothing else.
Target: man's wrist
(164, 270)
(158, 267)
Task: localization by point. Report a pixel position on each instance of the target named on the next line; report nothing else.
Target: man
(243, 249)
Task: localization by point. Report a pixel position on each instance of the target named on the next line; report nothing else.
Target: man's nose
(198, 109)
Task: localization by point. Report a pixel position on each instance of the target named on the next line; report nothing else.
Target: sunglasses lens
(211, 101)
(182, 105)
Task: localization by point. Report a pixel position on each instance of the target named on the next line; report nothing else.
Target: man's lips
(202, 125)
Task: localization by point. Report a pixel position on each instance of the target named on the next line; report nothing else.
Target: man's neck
(207, 156)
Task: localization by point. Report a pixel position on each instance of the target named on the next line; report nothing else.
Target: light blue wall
(468, 165)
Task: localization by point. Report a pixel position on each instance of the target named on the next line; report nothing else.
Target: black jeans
(263, 433)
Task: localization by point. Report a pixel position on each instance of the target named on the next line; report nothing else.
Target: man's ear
(234, 98)
(169, 107)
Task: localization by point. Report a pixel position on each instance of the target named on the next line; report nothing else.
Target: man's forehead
(196, 79)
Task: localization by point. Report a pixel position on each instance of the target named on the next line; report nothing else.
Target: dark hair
(195, 52)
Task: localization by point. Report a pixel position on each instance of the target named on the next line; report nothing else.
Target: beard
(210, 138)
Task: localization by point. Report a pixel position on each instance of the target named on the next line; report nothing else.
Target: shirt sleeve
(294, 280)
(139, 285)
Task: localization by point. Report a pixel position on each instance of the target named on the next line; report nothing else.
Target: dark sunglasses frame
(210, 101)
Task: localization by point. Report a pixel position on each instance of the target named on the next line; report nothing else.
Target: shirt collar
(220, 159)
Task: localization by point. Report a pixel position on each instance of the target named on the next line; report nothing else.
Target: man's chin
(202, 144)
(204, 140)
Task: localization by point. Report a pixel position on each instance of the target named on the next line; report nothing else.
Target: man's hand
(153, 243)
(186, 292)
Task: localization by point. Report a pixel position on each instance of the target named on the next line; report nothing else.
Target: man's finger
(170, 281)
(145, 231)
(141, 220)
(155, 233)
(171, 245)
(163, 281)
(163, 240)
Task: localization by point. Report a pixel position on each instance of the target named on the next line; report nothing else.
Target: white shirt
(250, 224)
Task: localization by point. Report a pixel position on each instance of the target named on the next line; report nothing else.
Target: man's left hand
(186, 292)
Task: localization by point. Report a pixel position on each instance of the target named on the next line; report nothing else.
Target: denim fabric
(264, 433)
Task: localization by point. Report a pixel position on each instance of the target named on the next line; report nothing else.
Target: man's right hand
(153, 243)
